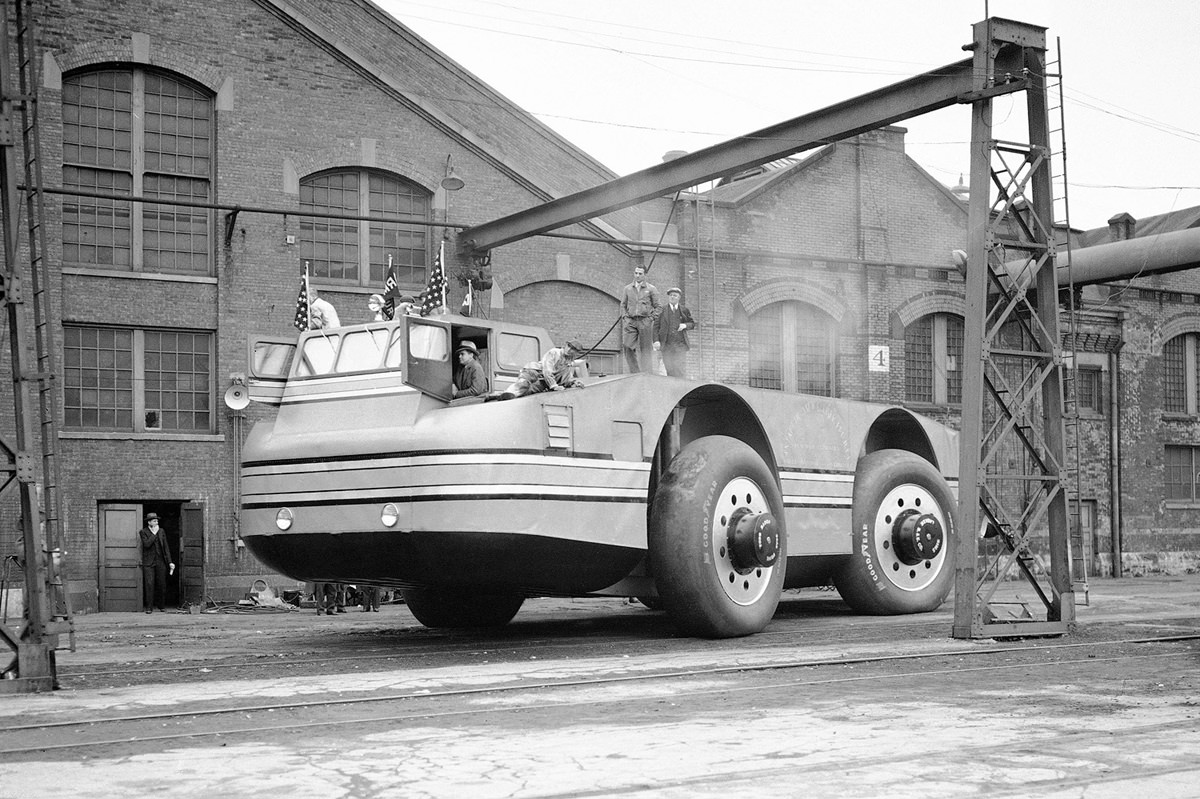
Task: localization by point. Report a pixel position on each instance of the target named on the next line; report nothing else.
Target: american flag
(301, 320)
(433, 298)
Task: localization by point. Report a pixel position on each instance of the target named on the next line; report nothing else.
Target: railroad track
(235, 720)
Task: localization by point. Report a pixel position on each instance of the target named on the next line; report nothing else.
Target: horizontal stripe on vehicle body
(511, 491)
(314, 499)
(474, 454)
(297, 502)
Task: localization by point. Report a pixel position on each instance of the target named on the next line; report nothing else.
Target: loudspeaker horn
(236, 397)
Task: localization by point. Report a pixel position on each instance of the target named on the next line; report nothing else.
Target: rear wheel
(903, 536)
(717, 543)
(460, 608)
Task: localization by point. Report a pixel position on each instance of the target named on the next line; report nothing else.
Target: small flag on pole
(433, 298)
(391, 290)
(302, 318)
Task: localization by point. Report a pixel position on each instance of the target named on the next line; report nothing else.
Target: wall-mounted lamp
(451, 182)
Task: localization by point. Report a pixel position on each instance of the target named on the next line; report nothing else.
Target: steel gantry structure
(46, 613)
(1013, 451)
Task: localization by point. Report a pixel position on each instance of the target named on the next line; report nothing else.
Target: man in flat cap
(670, 333)
(554, 372)
(469, 380)
(156, 564)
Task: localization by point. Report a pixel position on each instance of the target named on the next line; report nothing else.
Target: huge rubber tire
(889, 572)
(710, 482)
(438, 607)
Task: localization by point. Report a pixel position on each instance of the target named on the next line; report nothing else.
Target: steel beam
(930, 91)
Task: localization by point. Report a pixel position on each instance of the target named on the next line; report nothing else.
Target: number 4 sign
(880, 358)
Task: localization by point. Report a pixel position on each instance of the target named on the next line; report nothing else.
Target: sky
(628, 80)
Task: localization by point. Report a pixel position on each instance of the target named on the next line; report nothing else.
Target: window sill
(115, 435)
(1181, 504)
(91, 271)
(924, 407)
(1180, 417)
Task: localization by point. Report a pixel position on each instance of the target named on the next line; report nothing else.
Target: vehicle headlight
(284, 519)
(389, 515)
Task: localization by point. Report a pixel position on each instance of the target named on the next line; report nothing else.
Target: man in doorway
(670, 333)
(156, 565)
(640, 306)
(469, 380)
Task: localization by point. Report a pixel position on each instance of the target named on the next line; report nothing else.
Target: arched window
(933, 349)
(137, 131)
(791, 349)
(356, 252)
(1180, 374)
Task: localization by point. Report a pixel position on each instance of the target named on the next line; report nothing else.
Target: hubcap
(743, 534)
(917, 536)
(909, 537)
(754, 539)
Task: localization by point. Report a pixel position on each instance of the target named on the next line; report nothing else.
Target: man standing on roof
(670, 334)
(321, 313)
(640, 306)
(469, 380)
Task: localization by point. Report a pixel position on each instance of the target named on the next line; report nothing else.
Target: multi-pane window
(1089, 390)
(121, 379)
(134, 131)
(1180, 371)
(357, 252)
(791, 349)
(1181, 477)
(933, 349)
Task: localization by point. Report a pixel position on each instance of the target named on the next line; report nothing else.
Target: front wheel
(460, 608)
(717, 542)
(903, 536)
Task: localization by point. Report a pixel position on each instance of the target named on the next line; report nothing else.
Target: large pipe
(1130, 258)
(1118, 260)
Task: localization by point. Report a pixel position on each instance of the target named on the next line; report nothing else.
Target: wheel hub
(917, 537)
(753, 539)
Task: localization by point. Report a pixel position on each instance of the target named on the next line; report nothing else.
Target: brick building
(828, 273)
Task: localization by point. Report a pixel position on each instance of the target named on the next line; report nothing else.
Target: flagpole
(442, 261)
(307, 294)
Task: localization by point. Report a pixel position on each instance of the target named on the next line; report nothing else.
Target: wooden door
(191, 553)
(120, 558)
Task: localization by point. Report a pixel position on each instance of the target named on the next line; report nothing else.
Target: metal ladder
(48, 612)
(1079, 549)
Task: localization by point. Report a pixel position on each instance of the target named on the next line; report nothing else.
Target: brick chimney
(1121, 227)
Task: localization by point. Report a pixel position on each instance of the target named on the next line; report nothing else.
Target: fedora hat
(469, 346)
(151, 517)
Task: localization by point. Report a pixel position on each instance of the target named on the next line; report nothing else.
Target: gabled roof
(750, 183)
(1169, 222)
(432, 84)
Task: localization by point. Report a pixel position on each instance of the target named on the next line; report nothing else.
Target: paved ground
(824, 703)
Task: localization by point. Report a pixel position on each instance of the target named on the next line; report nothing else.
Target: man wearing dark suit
(670, 333)
(156, 564)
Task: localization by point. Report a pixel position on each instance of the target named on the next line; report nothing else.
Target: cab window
(318, 355)
(428, 343)
(362, 350)
(271, 359)
(516, 350)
